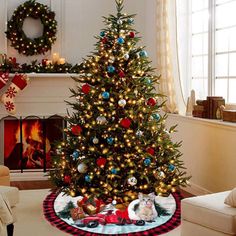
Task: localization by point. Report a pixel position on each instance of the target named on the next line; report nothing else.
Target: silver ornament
(114, 202)
(139, 133)
(126, 56)
(119, 22)
(111, 59)
(122, 102)
(82, 168)
(132, 181)
(101, 120)
(95, 140)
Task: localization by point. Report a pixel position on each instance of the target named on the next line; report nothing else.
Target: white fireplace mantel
(45, 95)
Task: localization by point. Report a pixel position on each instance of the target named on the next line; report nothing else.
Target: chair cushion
(210, 211)
(231, 198)
(12, 193)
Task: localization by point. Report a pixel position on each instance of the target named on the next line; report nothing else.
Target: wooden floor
(27, 185)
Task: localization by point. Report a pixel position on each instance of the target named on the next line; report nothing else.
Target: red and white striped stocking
(19, 82)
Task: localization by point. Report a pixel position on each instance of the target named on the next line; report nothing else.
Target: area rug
(54, 203)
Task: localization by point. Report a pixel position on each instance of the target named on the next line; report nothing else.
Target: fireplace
(29, 142)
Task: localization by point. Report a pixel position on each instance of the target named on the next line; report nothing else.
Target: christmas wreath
(18, 38)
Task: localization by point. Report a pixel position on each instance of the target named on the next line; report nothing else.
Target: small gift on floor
(91, 205)
(77, 213)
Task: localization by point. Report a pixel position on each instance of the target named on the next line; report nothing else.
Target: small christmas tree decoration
(126, 56)
(119, 22)
(151, 102)
(131, 34)
(120, 40)
(104, 40)
(125, 123)
(95, 140)
(122, 102)
(132, 181)
(106, 95)
(151, 151)
(110, 140)
(4, 77)
(82, 168)
(114, 171)
(86, 88)
(147, 162)
(171, 167)
(101, 161)
(87, 178)
(111, 69)
(19, 82)
(121, 74)
(139, 133)
(75, 155)
(101, 120)
(76, 129)
(156, 116)
(130, 21)
(67, 179)
(102, 33)
(143, 54)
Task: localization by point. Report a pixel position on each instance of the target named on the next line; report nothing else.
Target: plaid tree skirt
(162, 224)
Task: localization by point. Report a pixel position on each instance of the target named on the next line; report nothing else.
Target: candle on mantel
(62, 61)
(48, 62)
(55, 57)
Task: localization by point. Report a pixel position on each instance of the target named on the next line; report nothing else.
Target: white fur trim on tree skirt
(166, 202)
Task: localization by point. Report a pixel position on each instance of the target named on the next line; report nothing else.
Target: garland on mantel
(10, 65)
(17, 36)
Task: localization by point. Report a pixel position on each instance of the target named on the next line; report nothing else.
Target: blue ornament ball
(120, 40)
(87, 178)
(114, 171)
(147, 162)
(143, 53)
(148, 81)
(106, 95)
(111, 69)
(156, 116)
(171, 167)
(75, 155)
(110, 140)
(102, 34)
(130, 21)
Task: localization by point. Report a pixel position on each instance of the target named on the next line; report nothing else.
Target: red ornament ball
(86, 88)
(101, 161)
(125, 123)
(121, 74)
(67, 179)
(151, 151)
(131, 34)
(104, 40)
(152, 102)
(76, 129)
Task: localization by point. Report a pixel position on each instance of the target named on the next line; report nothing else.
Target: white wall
(208, 152)
(79, 21)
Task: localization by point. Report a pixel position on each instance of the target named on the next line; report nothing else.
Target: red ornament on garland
(101, 161)
(125, 123)
(76, 129)
(67, 179)
(121, 74)
(152, 102)
(86, 88)
(151, 151)
(131, 34)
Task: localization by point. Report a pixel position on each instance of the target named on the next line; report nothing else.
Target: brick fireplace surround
(44, 96)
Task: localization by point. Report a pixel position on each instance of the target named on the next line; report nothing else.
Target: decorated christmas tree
(116, 142)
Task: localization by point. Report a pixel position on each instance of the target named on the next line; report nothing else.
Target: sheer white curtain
(167, 56)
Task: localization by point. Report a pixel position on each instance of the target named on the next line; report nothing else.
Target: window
(212, 48)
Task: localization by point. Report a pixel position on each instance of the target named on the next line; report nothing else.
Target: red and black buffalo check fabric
(51, 216)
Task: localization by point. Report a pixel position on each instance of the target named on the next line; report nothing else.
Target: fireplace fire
(29, 142)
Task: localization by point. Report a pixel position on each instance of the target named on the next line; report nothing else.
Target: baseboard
(196, 189)
(28, 176)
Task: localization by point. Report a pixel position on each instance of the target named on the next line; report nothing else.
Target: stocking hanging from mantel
(19, 82)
